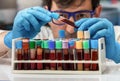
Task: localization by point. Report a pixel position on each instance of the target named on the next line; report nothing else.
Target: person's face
(76, 6)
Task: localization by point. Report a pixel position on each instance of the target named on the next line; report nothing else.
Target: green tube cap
(86, 44)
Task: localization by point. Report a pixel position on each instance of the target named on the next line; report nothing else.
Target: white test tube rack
(101, 62)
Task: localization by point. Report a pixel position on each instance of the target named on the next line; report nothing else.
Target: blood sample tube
(46, 54)
(39, 54)
(79, 54)
(19, 54)
(65, 54)
(32, 54)
(72, 54)
(26, 53)
(87, 55)
(94, 54)
(59, 55)
(67, 21)
(52, 54)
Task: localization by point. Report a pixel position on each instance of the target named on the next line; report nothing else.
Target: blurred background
(111, 10)
(9, 8)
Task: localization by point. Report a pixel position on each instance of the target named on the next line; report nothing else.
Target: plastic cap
(58, 44)
(51, 44)
(79, 44)
(61, 33)
(38, 42)
(86, 35)
(86, 44)
(80, 34)
(94, 44)
(42, 43)
(65, 44)
(18, 44)
(72, 43)
(25, 43)
(45, 44)
(32, 44)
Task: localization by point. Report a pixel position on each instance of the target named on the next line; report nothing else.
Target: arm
(28, 23)
(3, 48)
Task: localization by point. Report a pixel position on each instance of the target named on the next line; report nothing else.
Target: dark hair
(67, 3)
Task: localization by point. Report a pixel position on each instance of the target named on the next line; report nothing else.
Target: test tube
(79, 54)
(46, 54)
(19, 54)
(94, 54)
(67, 21)
(51, 45)
(26, 51)
(87, 55)
(32, 54)
(65, 54)
(39, 54)
(72, 54)
(59, 55)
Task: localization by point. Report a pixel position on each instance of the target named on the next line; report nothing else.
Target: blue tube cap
(62, 34)
(72, 43)
(94, 44)
(18, 44)
(51, 44)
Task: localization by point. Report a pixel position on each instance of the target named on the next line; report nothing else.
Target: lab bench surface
(111, 73)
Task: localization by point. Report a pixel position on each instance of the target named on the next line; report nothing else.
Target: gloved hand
(28, 22)
(100, 27)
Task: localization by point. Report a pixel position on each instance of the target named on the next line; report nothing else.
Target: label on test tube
(25, 46)
(87, 55)
(65, 54)
(39, 54)
(79, 54)
(94, 54)
(32, 54)
(32, 49)
(72, 54)
(59, 54)
(46, 54)
(19, 54)
(51, 45)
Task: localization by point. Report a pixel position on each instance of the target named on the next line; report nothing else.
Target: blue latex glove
(100, 27)
(28, 22)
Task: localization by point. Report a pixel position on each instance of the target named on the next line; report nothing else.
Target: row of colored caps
(30, 43)
(58, 44)
(83, 34)
(80, 34)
